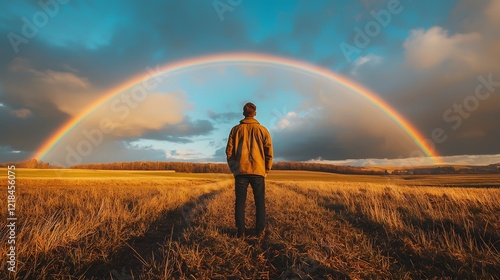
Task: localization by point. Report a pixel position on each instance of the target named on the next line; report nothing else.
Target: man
(249, 154)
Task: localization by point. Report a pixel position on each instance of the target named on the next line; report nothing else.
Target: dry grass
(169, 227)
(66, 226)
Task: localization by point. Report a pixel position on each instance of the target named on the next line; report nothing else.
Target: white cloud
(185, 155)
(286, 121)
(427, 49)
(472, 159)
(370, 59)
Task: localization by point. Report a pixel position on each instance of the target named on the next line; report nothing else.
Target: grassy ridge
(151, 225)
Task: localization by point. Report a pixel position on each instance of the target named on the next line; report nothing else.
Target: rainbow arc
(243, 58)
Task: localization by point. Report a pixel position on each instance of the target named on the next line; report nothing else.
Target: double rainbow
(245, 58)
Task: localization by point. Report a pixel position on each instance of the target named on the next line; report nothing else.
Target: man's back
(249, 148)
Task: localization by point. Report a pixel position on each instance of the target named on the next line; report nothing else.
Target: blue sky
(425, 58)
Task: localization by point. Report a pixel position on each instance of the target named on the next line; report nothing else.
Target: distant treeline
(487, 169)
(30, 163)
(191, 167)
(312, 166)
(223, 167)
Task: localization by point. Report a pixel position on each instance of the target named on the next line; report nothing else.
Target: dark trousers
(258, 186)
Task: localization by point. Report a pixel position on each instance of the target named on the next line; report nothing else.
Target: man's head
(249, 110)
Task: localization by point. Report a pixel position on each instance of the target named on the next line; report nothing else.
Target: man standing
(249, 154)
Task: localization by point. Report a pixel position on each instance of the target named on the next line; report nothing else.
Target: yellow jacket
(249, 148)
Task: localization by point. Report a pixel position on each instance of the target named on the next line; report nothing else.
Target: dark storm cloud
(317, 136)
(8, 154)
(25, 132)
(465, 93)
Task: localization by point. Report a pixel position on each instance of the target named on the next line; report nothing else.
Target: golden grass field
(87, 224)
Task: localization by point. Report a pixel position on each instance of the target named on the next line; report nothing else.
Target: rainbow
(245, 58)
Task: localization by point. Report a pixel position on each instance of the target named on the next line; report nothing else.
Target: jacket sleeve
(230, 151)
(268, 151)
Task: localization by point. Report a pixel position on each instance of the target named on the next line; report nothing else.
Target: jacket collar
(249, 120)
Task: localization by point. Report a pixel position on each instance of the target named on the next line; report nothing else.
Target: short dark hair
(249, 110)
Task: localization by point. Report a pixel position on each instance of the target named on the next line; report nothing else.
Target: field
(79, 224)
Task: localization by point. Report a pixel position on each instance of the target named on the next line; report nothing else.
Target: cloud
(8, 154)
(226, 117)
(48, 77)
(427, 49)
(22, 113)
(65, 90)
(159, 116)
(447, 72)
(133, 118)
(181, 132)
(120, 151)
(492, 12)
(286, 121)
(472, 159)
(23, 129)
(352, 128)
(185, 155)
(370, 60)
(219, 155)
